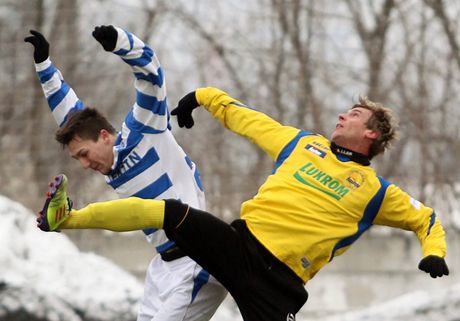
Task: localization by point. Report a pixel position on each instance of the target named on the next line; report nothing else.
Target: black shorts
(264, 288)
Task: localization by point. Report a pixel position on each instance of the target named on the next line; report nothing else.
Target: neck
(351, 154)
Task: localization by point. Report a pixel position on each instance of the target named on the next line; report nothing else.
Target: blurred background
(300, 61)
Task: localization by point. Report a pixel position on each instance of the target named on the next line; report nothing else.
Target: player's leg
(121, 215)
(207, 295)
(166, 292)
(151, 300)
(179, 290)
(234, 256)
(212, 243)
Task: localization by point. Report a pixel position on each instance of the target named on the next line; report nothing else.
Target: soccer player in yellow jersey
(321, 196)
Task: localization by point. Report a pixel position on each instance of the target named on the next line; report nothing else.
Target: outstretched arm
(256, 126)
(150, 112)
(60, 96)
(400, 210)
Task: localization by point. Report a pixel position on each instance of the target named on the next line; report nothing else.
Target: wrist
(40, 66)
(435, 252)
(123, 42)
(201, 95)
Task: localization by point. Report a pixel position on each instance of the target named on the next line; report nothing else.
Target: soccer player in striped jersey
(142, 160)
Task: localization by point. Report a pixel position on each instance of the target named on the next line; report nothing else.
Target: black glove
(435, 265)
(107, 37)
(41, 46)
(184, 109)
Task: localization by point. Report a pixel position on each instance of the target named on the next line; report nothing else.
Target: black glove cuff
(189, 101)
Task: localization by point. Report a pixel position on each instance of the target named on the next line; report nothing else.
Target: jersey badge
(315, 150)
(355, 179)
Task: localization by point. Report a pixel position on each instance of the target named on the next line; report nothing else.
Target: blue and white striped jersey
(148, 162)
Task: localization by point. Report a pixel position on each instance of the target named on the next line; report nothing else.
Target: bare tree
(374, 40)
(439, 8)
(17, 117)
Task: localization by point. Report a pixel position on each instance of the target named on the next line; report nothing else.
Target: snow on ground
(50, 265)
(440, 305)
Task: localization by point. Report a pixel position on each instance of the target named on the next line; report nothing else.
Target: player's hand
(41, 46)
(184, 109)
(106, 36)
(435, 265)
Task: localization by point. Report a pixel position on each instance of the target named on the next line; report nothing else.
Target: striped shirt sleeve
(150, 112)
(60, 96)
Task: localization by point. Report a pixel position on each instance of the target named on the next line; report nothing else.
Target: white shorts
(179, 290)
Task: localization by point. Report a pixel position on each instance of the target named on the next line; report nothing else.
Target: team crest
(355, 179)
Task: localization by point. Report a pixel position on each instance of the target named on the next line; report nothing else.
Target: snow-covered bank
(43, 270)
(440, 305)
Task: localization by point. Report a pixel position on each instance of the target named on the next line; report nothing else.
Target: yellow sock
(121, 215)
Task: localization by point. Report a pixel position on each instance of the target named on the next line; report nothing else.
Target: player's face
(97, 155)
(351, 128)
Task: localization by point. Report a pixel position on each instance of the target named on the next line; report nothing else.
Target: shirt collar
(351, 155)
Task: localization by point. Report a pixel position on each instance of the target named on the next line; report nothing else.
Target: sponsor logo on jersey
(344, 151)
(321, 146)
(355, 179)
(324, 182)
(315, 150)
(128, 162)
(290, 317)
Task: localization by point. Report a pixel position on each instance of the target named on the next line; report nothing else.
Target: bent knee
(175, 212)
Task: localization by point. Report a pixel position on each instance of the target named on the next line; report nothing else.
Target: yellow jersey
(316, 203)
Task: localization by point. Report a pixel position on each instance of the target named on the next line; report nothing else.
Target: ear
(104, 135)
(371, 134)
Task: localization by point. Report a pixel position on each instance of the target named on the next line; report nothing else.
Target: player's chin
(104, 171)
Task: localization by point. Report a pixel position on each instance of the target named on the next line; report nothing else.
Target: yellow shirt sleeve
(257, 127)
(400, 210)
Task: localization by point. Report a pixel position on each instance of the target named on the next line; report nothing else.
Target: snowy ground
(441, 305)
(42, 270)
(50, 266)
